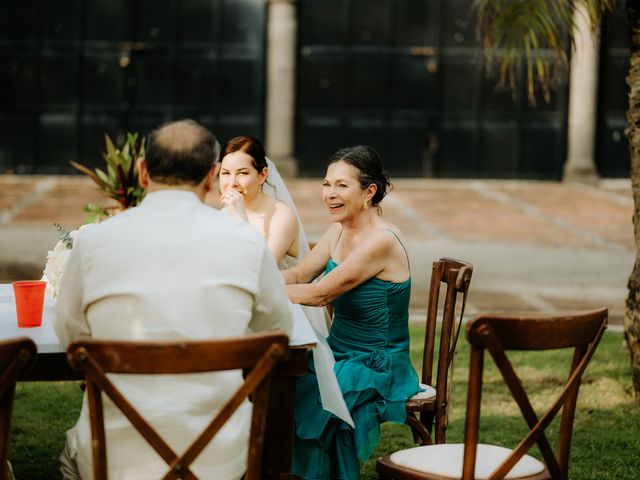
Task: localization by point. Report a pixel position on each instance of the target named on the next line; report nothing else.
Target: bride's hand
(232, 202)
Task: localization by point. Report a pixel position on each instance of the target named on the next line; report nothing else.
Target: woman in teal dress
(367, 280)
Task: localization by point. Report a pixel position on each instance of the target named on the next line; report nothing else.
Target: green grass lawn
(606, 441)
(42, 413)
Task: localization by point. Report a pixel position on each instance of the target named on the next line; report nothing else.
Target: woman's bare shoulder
(383, 238)
(393, 228)
(334, 231)
(383, 229)
(282, 211)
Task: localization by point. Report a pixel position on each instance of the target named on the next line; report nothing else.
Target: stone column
(282, 29)
(583, 98)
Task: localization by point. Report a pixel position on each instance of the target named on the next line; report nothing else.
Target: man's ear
(143, 173)
(210, 179)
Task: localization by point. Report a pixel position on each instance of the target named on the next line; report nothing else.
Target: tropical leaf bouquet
(120, 179)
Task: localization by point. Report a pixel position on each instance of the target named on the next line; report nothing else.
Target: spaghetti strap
(402, 245)
(338, 240)
(335, 247)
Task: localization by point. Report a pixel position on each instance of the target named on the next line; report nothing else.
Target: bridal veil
(276, 188)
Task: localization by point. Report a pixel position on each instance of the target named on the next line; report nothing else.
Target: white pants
(68, 464)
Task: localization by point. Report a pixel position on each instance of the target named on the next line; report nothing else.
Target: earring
(366, 204)
(261, 185)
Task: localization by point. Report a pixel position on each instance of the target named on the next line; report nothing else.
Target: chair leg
(428, 419)
(441, 434)
(421, 434)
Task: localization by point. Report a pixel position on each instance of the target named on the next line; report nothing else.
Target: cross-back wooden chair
(16, 357)
(256, 354)
(432, 405)
(498, 334)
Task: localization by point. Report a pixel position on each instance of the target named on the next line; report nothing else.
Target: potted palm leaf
(120, 179)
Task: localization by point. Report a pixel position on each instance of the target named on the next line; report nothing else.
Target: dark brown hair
(249, 145)
(370, 168)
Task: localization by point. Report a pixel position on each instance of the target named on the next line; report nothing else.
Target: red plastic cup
(29, 295)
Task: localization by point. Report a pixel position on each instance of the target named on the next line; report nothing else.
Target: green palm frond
(531, 38)
(120, 179)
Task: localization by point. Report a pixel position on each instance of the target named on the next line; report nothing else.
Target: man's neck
(198, 190)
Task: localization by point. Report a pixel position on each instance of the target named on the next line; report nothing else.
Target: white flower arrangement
(57, 259)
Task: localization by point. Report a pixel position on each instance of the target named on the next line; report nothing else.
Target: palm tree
(530, 37)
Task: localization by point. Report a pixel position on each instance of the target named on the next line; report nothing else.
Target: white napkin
(304, 333)
(330, 393)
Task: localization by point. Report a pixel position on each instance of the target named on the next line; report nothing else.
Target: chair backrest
(255, 354)
(498, 334)
(456, 275)
(16, 357)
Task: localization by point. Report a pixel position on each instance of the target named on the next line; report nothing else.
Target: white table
(47, 341)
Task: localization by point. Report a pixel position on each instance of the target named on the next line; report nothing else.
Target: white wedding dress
(330, 393)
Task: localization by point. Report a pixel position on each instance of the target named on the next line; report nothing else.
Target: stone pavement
(535, 246)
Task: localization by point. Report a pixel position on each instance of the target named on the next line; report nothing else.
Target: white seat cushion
(446, 460)
(429, 392)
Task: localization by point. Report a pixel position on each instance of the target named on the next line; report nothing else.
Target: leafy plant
(64, 235)
(530, 37)
(120, 180)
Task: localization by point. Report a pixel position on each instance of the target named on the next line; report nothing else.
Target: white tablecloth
(47, 340)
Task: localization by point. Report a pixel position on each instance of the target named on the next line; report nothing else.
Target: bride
(253, 190)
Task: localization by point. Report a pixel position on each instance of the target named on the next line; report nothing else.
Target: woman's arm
(315, 262)
(365, 261)
(282, 231)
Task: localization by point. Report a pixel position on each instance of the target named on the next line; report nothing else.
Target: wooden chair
(256, 354)
(497, 334)
(431, 406)
(16, 357)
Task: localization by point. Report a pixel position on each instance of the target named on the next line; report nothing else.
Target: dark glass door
(78, 69)
(407, 77)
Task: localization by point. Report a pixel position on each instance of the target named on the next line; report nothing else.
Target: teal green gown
(369, 338)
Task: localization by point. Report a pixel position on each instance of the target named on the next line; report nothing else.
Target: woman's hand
(232, 202)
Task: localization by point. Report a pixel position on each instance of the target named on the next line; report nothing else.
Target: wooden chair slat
(97, 383)
(432, 315)
(221, 355)
(520, 396)
(262, 368)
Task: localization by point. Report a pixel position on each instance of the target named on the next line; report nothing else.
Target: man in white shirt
(171, 268)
